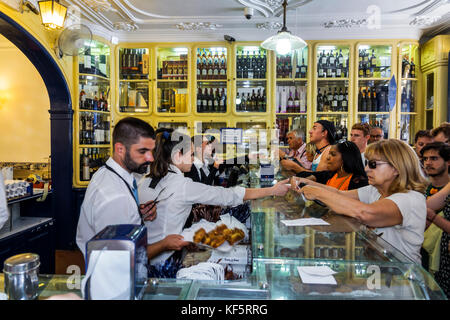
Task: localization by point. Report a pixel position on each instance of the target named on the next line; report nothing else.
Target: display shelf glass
(286, 123)
(373, 96)
(134, 63)
(134, 97)
(91, 158)
(408, 128)
(409, 54)
(172, 97)
(332, 61)
(95, 59)
(408, 96)
(251, 96)
(293, 65)
(212, 63)
(376, 120)
(291, 96)
(332, 96)
(172, 63)
(374, 61)
(429, 100)
(212, 97)
(93, 93)
(251, 62)
(340, 121)
(178, 126)
(351, 280)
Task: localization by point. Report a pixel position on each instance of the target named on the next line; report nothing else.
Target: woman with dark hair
(175, 194)
(344, 168)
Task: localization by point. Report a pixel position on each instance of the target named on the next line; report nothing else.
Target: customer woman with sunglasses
(344, 169)
(393, 202)
(173, 155)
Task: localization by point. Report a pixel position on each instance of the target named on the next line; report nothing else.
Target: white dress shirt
(108, 201)
(172, 214)
(3, 203)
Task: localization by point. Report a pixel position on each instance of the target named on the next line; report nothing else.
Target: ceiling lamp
(53, 14)
(283, 42)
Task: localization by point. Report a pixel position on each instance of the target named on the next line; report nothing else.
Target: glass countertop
(344, 239)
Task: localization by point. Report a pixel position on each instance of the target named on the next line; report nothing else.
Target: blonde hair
(311, 148)
(403, 158)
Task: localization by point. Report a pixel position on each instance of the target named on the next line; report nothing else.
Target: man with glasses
(376, 134)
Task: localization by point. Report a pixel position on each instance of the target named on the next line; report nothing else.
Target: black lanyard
(319, 151)
(129, 188)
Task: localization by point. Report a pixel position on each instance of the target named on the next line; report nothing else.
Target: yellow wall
(24, 105)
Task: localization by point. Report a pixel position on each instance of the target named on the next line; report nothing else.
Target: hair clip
(166, 134)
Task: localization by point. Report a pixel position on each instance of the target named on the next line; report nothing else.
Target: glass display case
(251, 80)
(331, 100)
(374, 72)
(287, 123)
(212, 80)
(134, 80)
(93, 112)
(175, 125)
(408, 92)
(172, 85)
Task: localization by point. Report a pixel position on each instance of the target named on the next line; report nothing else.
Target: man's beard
(133, 166)
(439, 173)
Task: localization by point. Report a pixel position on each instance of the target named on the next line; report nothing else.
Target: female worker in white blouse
(174, 155)
(393, 202)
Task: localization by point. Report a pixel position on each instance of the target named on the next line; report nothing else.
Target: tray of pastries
(221, 235)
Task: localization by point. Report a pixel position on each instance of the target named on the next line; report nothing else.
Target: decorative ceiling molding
(432, 5)
(197, 26)
(269, 25)
(425, 20)
(272, 8)
(345, 23)
(126, 26)
(100, 5)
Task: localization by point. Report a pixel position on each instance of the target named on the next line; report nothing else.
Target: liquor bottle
(334, 103)
(245, 65)
(82, 127)
(406, 68)
(107, 132)
(404, 63)
(346, 68)
(303, 69)
(403, 100)
(340, 100)
(264, 65)
(412, 102)
(320, 70)
(199, 100)
(87, 61)
(330, 97)
(223, 66)
(303, 100)
(199, 64)
(223, 101)
(329, 68)
(243, 103)
(290, 103)
(361, 71)
(211, 100)
(216, 66)
(324, 62)
(344, 103)
(340, 58)
(254, 102)
(319, 101)
(363, 101)
(332, 64)
(238, 102)
(373, 60)
(205, 97)
(86, 176)
(210, 75)
(366, 59)
(250, 103)
(369, 100)
(382, 100)
(263, 102)
(296, 102)
(369, 71)
(82, 101)
(374, 101)
(344, 130)
(412, 69)
(216, 101)
(250, 66)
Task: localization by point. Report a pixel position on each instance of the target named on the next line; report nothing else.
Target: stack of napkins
(317, 275)
(305, 222)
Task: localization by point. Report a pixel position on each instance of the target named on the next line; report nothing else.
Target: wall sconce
(53, 14)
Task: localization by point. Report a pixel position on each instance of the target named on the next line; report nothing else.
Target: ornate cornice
(424, 20)
(345, 23)
(269, 25)
(126, 26)
(187, 26)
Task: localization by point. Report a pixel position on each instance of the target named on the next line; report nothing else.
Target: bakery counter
(343, 238)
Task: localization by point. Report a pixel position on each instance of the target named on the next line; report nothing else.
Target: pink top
(300, 155)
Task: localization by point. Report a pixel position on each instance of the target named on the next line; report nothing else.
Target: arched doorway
(60, 127)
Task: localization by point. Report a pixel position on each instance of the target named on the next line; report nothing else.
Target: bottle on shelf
(344, 103)
(319, 101)
(199, 100)
(326, 102)
(335, 101)
(296, 102)
(374, 101)
(412, 69)
(290, 103)
(238, 102)
(223, 101)
(340, 100)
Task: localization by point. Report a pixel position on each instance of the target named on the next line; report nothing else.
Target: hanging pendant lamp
(283, 42)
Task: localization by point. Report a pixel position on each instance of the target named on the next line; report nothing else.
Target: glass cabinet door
(211, 79)
(251, 82)
(178, 126)
(332, 93)
(408, 92)
(429, 100)
(134, 71)
(93, 116)
(374, 72)
(172, 80)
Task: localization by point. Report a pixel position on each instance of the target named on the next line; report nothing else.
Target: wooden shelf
(134, 80)
(332, 79)
(94, 146)
(291, 79)
(372, 112)
(212, 80)
(374, 79)
(171, 80)
(95, 111)
(253, 79)
(332, 112)
(290, 114)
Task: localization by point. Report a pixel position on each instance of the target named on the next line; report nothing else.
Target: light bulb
(283, 46)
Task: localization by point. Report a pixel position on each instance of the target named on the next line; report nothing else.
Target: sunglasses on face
(372, 164)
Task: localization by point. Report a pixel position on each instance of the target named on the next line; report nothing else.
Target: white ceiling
(210, 20)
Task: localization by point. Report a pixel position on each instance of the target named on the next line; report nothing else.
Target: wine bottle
(216, 100)
(412, 69)
(199, 100)
(403, 100)
(223, 101)
(360, 99)
(319, 101)
(326, 102)
(296, 102)
(374, 101)
(334, 104)
(290, 103)
(373, 60)
(344, 104)
(364, 101)
(340, 100)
